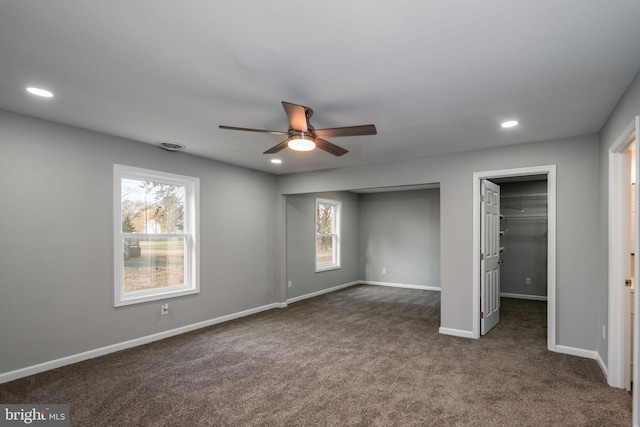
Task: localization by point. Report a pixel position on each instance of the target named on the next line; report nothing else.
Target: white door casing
(550, 172)
(636, 262)
(490, 256)
(626, 261)
(618, 336)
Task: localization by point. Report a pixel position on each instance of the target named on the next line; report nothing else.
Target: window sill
(146, 297)
(333, 267)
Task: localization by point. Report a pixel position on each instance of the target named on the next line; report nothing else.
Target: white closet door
(490, 257)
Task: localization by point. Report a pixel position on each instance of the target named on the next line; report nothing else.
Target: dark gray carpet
(363, 356)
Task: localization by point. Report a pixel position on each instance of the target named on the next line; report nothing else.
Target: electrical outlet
(384, 271)
(527, 281)
(289, 284)
(604, 332)
(164, 309)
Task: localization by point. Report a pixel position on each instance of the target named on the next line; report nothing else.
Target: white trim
(331, 267)
(636, 267)
(191, 235)
(456, 332)
(523, 296)
(401, 285)
(617, 311)
(322, 292)
(580, 352)
(603, 366)
(587, 354)
(75, 358)
(616, 315)
(361, 282)
(550, 171)
(337, 205)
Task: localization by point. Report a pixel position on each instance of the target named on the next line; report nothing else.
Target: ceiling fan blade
(297, 116)
(276, 148)
(330, 148)
(346, 131)
(274, 132)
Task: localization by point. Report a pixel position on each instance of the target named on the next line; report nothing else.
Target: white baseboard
(523, 296)
(360, 282)
(589, 354)
(602, 365)
(456, 332)
(322, 292)
(75, 358)
(400, 285)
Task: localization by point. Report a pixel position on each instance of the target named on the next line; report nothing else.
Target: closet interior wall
(523, 206)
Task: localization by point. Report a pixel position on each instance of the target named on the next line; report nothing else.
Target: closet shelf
(527, 216)
(524, 196)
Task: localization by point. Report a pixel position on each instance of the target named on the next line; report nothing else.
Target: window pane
(153, 263)
(151, 207)
(325, 215)
(324, 251)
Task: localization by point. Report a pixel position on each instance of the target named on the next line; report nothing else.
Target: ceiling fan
(302, 136)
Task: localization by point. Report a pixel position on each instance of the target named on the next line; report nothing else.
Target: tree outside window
(327, 234)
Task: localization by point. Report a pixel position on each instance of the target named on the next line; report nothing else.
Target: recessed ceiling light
(276, 161)
(40, 92)
(509, 124)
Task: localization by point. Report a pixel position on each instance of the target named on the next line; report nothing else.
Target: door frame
(617, 312)
(550, 171)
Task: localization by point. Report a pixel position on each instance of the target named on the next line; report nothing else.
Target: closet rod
(524, 196)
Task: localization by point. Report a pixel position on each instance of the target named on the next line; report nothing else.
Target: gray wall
(56, 257)
(624, 114)
(577, 217)
(525, 238)
(300, 240)
(400, 232)
(56, 278)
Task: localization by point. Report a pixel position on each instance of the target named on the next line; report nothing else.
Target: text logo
(34, 415)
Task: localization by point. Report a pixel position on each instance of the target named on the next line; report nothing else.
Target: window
(327, 234)
(156, 235)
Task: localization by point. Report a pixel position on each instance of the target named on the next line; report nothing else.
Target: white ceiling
(433, 76)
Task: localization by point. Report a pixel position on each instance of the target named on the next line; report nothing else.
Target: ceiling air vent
(169, 146)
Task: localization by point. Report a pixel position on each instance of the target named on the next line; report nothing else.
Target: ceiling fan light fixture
(301, 142)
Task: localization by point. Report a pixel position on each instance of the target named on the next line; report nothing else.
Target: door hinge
(481, 256)
(627, 282)
(482, 314)
(482, 198)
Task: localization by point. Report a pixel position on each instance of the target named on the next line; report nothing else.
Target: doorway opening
(389, 236)
(549, 172)
(521, 266)
(623, 261)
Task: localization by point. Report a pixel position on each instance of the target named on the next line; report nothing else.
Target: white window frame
(336, 235)
(190, 233)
